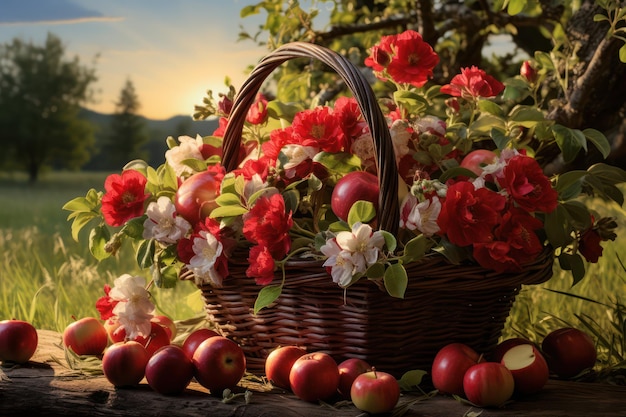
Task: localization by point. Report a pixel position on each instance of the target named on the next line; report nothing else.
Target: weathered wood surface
(46, 387)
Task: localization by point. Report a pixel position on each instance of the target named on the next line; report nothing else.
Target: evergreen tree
(128, 133)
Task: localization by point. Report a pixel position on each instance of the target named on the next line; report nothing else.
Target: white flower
(343, 264)
(189, 148)
(296, 154)
(363, 147)
(430, 124)
(253, 185)
(400, 137)
(351, 253)
(134, 310)
(207, 250)
(421, 216)
(163, 224)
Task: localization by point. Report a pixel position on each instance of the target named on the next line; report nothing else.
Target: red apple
(279, 362)
(219, 363)
(450, 365)
(375, 392)
(86, 336)
(528, 367)
(352, 187)
(488, 384)
(569, 351)
(314, 376)
(168, 324)
(114, 329)
(348, 371)
(194, 339)
(124, 363)
(169, 371)
(195, 198)
(156, 339)
(477, 159)
(502, 347)
(18, 341)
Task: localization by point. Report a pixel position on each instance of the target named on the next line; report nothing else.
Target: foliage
(40, 96)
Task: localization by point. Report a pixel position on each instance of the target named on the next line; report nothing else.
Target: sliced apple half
(528, 366)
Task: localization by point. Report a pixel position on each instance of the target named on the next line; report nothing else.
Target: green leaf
(228, 199)
(280, 110)
(166, 277)
(78, 204)
(228, 211)
(341, 162)
(516, 7)
(557, 227)
(416, 248)
(410, 100)
(145, 253)
(573, 263)
(569, 184)
(195, 164)
(390, 240)
(570, 141)
(267, 296)
(486, 122)
(375, 271)
(527, 116)
(80, 221)
(361, 211)
(489, 106)
(608, 174)
(578, 214)
(411, 380)
(499, 138)
(98, 238)
(292, 200)
(134, 227)
(456, 172)
(396, 280)
(599, 141)
(622, 53)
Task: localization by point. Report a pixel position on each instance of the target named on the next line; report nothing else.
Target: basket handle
(388, 216)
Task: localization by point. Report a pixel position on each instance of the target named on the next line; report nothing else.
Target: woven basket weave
(443, 303)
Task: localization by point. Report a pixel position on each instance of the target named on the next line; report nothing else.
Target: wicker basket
(444, 303)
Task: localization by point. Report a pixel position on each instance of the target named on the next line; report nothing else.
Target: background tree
(40, 96)
(128, 131)
(577, 47)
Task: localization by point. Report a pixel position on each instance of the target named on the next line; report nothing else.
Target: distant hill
(158, 131)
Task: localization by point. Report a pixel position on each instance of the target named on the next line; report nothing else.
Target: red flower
(469, 215)
(319, 127)
(351, 119)
(517, 243)
(258, 111)
(106, 304)
(261, 265)
(527, 185)
(268, 224)
(589, 245)
(221, 128)
(414, 60)
(124, 197)
(278, 139)
(473, 83)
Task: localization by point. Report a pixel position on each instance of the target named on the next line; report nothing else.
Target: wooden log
(47, 386)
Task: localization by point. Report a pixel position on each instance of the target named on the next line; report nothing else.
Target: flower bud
(528, 72)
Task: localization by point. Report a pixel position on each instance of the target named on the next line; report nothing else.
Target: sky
(172, 51)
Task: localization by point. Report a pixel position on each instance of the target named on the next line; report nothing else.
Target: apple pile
(516, 366)
(18, 341)
(316, 376)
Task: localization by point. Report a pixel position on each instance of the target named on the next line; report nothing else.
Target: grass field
(46, 277)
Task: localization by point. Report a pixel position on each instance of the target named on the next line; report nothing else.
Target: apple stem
(374, 370)
(480, 358)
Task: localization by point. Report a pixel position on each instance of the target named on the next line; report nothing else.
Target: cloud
(13, 12)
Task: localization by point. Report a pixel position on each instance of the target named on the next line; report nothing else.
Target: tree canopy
(578, 48)
(41, 91)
